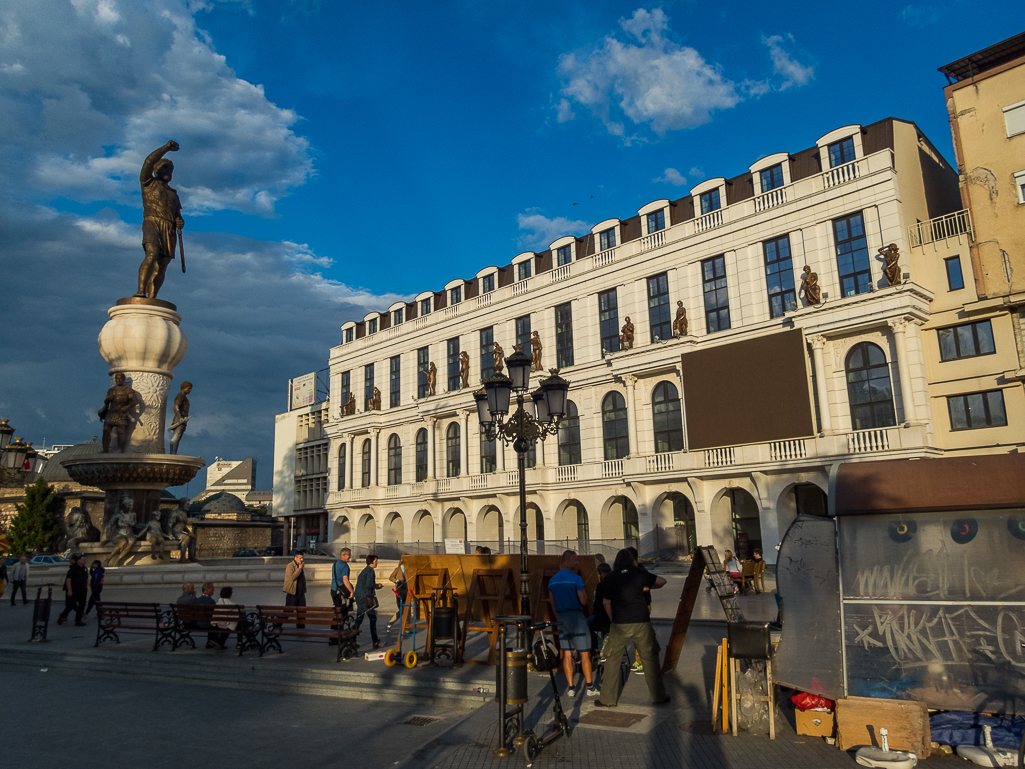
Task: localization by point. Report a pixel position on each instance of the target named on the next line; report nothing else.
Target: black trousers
(93, 598)
(296, 600)
(74, 603)
(14, 590)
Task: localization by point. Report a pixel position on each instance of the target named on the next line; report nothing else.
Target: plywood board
(859, 719)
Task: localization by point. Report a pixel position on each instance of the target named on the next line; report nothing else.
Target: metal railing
(390, 551)
(953, 225)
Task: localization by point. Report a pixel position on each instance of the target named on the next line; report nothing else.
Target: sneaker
(377, 644)
(571, 693)
(592, 691)
(637, 669)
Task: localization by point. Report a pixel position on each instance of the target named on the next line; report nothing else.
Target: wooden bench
(192, 618)
(307, 623)
(114, 618)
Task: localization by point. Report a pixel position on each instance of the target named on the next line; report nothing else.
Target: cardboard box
(374, 656)
(815, 723)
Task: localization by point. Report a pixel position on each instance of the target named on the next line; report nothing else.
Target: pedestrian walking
(76, 585)
(342, 590)
(96, 572)
(624, 602)
(19, 577)
(567, 591)
(3, 576)
(398, 576)
(366, 598)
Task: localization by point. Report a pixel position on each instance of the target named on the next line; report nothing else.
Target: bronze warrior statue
(176, 527)
(535, 351)
(680, 323)
(810, 286)
(374, 404)
(120, 400)
(891, 267)
(464, 370)
(432, 378)
(499, 354)
(349, 407)
(181, 416)
(161, 218)
(626, 338)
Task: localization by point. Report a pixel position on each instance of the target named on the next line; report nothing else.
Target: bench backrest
(190, 612)
(308, 615)
(121, 610)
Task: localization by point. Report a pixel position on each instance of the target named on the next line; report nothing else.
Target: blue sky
(336, 156)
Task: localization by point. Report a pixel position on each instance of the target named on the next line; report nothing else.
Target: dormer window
(563, 256)
(607, 239)
(656, 221)
(710, 201)
(523, 270)
(487, 284)
(425, 306)
(397, 317)
(771, 178)
(841, 152)
(349, 335)
(372, 326)
(455, 295)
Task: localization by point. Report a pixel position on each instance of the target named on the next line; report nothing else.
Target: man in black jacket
(76, 586)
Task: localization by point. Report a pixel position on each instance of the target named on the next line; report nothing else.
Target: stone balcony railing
(888, 442)
(790, 194)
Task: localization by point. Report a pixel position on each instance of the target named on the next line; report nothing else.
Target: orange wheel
(391, 658)
(410, 659)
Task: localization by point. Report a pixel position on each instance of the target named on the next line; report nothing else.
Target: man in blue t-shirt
(341, 588)
(567, 591)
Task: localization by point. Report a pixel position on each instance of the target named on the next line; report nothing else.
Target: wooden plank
(859, 719)
(725, 683)
(715, 689)
(684, 611)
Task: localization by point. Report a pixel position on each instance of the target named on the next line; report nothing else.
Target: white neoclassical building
(721, 434)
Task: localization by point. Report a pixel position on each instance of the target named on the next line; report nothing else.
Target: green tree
(36, 527)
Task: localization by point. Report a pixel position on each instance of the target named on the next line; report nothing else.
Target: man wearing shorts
(567, 591)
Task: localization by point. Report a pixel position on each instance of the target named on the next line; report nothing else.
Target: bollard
(443, 638)
(41, 614)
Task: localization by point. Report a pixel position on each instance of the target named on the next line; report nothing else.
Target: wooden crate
(859, 719)
(815, 723)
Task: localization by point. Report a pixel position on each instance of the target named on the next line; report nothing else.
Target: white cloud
(538, 230)
(564, 111)
(919, 15)
(673, 177)
(784, 65)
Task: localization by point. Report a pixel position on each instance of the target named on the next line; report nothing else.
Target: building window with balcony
(523, 332)
(452, 347)
(365, 468)
(977, 410)
(421, 454)
(607, 239)
(564, 335)
(487, 284)
(569, 436)
(394, 460)
(487, 357)
(852, 255)
(523, 270)
(341, 467)
(841, 152)
(455, 295)
(488, 456)
(452, 450)
(779, 276)
(615, 428)
(710, 201)
(660, 317)
(348, 335)
(345, 387)
(656, 221)
(868, 388)
(395, 379)
(368, 385)
(371, 326)
(771, 178)
(955, 280)
(563, 256)
(608, 321)
(717, 298)
(665, 412)
(425, 307)
(398, 316)
(423, 364)
(966, 341)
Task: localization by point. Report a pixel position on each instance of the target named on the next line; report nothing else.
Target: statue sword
(181, 246)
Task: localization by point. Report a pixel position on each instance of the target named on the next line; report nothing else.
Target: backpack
(543, 644)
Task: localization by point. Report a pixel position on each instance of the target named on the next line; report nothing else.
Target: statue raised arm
(161, 219)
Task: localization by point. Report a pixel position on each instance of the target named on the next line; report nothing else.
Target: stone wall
(217, 539)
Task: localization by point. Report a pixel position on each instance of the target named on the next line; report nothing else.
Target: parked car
(309, 551)
(10, 560)
(246, 552)
(47, 560)
(271, 550)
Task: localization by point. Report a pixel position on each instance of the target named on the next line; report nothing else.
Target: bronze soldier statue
(499, 355)
(161, 219)
(432, 378)
(810, 286)
(891, 268)
(464, 370)
(535, 351)
(680, 323)
(181, 416)
(120, 400)
(626, 339)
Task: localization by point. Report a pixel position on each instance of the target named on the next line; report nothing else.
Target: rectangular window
(1019, 185)
(608, 321)
(779, 276)
(368, 385)
(345, 387)
(607, 239)
(710, 201)
(660, 318)
(398, 316)
(488, 456)
(562, 256)
(487, 358)
(771, 178)
(452, 346)
(423, 363)
(372, 326)
(852, 255)
(656, 221)
(523, 332)
(563, 335)
(350, 334)
(1014, 119)
(967, 341)
(976, 410)
(455, 295)
(523, 270)
(487, 284)
(717, 299)
(425, 307)
(955, 280)
(841, 152)
(395, 374)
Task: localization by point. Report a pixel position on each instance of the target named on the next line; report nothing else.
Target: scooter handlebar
(542, 625)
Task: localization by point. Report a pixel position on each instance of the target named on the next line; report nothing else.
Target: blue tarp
(959, 727)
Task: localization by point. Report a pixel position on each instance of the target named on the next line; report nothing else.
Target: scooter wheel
(531, 747)
(410, 659)
(391, 658)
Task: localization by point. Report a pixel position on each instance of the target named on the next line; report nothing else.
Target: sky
(338, 156)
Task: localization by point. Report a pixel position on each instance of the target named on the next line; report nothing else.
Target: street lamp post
(537, 416)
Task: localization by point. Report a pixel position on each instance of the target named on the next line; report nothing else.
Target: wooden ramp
(492, 593)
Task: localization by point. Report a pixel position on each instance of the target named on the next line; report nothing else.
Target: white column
(907, 397)
(817, 343)
(373, 456)
(464, 444)
(631, 412)
(430, 448)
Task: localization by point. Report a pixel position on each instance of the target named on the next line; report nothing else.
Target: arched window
(614, 426)
(569, 436)
(868, 387)
(665, 412)
(421, 455)
(366, 463)
(488, 455)
(452, 449)
(394, 460)
(341, 467)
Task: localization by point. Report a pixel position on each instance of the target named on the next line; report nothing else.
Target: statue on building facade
(115, 414)
(374, 404)
(181, 416)
(680, 323)
(810, 286)
(891, 266)
(432, 378)
(626, 338)
(499, 355)
(464, 370)
(535, 351)
(349, 407)
(161, 220)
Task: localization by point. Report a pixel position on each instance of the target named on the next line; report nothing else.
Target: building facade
(718, 427)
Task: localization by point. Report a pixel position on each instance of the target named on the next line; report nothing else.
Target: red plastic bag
(805, 701)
